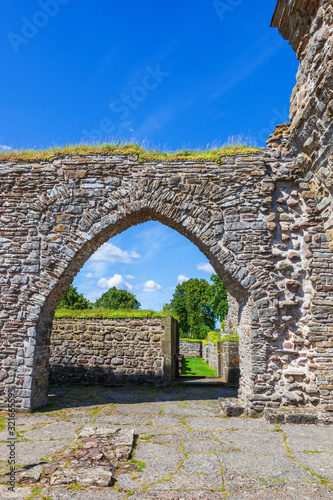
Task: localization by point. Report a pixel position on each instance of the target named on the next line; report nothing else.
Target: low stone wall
(111, 351)
(224, 358)
(232, 320)
(230, 362)
(209, 354)
(190, 349)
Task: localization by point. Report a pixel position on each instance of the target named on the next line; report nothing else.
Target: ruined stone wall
(308, 25)
(230, 362)
(231, 320)
(251, 216)
(209, 354)
(108, 351)
(190, 349)
(263, 221)
(224, 358)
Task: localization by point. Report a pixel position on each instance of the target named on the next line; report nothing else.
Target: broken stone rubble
(91, 461)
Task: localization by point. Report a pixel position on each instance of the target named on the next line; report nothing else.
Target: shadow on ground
(79, 396)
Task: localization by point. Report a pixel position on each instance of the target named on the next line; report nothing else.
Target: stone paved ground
(185, 449)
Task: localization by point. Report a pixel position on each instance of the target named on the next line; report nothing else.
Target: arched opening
(92, 199)
(238, 319)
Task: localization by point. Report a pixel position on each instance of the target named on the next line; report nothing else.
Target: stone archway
(264, 222)
(129, 212)
(73, 205)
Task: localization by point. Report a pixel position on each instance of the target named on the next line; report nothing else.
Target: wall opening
(148, 261)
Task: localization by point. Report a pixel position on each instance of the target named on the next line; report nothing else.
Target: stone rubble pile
(91, 461)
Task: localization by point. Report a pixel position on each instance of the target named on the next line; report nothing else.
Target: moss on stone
(142, 155)
(106, 314)
(234, 337)
(2, 423)
(215, 337)
(193, 341)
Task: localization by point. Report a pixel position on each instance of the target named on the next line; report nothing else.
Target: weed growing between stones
(2, 423)
(37, 493)
(75, 487)
(321, 479)
(141, 465)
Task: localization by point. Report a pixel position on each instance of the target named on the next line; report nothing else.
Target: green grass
(141, 465)
(105, 314)
(97, 410)
(75, 487)
(144, 155)
(194, 341)
(37, 493)
(2, 423)
(197, 367)
(233, 337)
(215, 337)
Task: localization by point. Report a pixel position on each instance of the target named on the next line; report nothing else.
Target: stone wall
(232, 319)
(190, 349)
(248, 214)
(309, 28)
(308, 25)
(56, 214)
(230, 362)
(224, 358)
(209, 354)
(263, 220)
(111, 351)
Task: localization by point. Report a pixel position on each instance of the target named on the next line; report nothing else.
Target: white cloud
(117, 280)
(205, 267)
(182, 278)
(150, 286)
(3, 147)
(94, 295)
(89, 275)
(111, 253)
(152, 239)
(130, 277)
(97, 268)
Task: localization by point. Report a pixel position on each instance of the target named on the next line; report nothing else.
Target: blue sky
(175, 74)
(221, 71)
(148, 260)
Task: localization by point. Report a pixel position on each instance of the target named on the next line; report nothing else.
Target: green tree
(191, 304)
(117, 299)
(74, 300)
(218, 300)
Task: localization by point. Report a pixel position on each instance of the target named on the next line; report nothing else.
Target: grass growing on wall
(193, 341)
(197, 367)
(215, 337)
(211, 155)
(233, 337)
(105, 314)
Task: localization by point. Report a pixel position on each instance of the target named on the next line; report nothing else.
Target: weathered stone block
(274, 417)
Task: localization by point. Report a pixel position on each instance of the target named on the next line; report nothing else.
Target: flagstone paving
(185, 449)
